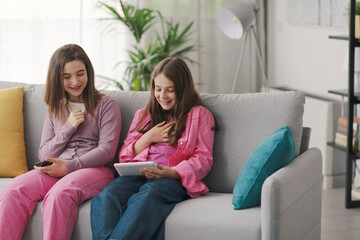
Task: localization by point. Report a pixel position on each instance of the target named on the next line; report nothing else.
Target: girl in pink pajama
(174, 130)
(80, 138)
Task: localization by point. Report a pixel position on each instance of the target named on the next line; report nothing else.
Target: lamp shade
(236, 19)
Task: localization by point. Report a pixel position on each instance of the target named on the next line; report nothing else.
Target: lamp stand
(240, 61)
(259, 58)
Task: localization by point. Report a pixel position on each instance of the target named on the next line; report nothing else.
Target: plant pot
(357, 25)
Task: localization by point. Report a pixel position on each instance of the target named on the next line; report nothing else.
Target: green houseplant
(357, 8)
(357, 18)
(170, 41)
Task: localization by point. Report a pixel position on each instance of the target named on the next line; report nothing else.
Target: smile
(165, 102)
(75, 88)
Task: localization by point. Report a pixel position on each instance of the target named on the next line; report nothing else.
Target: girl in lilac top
(174, 130)
(79, 139)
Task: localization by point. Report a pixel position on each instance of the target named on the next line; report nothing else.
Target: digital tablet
(133, 168)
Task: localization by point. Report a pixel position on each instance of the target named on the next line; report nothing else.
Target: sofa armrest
(291, 199)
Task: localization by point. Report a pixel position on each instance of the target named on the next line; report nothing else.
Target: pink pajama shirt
(193, 156)
(88, 153)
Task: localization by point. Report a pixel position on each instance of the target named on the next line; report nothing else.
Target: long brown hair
(187, 97)
(54, 90)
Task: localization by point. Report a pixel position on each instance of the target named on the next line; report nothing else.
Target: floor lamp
(238, 20)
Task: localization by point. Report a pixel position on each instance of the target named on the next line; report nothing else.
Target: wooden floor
(338, 223)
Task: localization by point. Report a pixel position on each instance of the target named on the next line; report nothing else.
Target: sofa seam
(302, 195)
(281, 212)
(311, 229)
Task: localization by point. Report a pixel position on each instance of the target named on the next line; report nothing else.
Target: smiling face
(164, 92)
(75, 80)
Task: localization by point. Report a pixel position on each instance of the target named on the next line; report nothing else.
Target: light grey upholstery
(212, 216)
(291, 197)
(288, 196)
(244, 121)
(305, 139)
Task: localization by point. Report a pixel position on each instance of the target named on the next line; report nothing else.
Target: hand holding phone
(54, 167)
(43, 164)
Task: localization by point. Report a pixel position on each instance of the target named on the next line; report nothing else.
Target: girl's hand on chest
(159, 133)
(76, 118)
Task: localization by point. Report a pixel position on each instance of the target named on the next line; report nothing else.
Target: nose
(162, 94)
(74, 80)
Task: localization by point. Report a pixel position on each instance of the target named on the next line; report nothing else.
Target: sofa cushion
(244, 120)
(34, 113)
(12, 145)
(129, 102)
(272, 154)
(211, 216)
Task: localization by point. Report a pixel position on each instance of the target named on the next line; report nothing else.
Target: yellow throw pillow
(12, 144)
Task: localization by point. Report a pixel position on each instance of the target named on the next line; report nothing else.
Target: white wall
(302, 56)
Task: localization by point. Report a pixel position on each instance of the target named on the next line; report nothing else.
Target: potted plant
(357, 18)
(171, 41)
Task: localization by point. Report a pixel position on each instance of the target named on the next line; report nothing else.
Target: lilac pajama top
(93, 144)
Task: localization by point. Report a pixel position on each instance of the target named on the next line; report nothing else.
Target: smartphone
(43, 164)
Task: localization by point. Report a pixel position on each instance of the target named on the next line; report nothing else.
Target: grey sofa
(291, 197)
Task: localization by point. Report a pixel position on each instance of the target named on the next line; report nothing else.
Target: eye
(66, 77)
(81, 74)
(171, 90)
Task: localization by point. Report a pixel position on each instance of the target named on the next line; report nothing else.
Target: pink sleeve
(198, 165)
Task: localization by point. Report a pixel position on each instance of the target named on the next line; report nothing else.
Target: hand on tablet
(161, 172)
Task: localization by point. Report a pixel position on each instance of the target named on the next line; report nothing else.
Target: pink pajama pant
(61, 198)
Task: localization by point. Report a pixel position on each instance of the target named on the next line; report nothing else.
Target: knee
(106, 203)
(17, 198)
(60, 197)
(105, 197)
(162, 190)
(11, 192)
(16, 190)
(151, 195)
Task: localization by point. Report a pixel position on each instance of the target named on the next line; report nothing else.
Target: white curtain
(31, 30)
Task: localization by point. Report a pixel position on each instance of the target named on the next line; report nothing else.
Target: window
(33, 29)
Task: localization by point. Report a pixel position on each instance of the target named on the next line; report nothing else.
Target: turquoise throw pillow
(273, 153)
